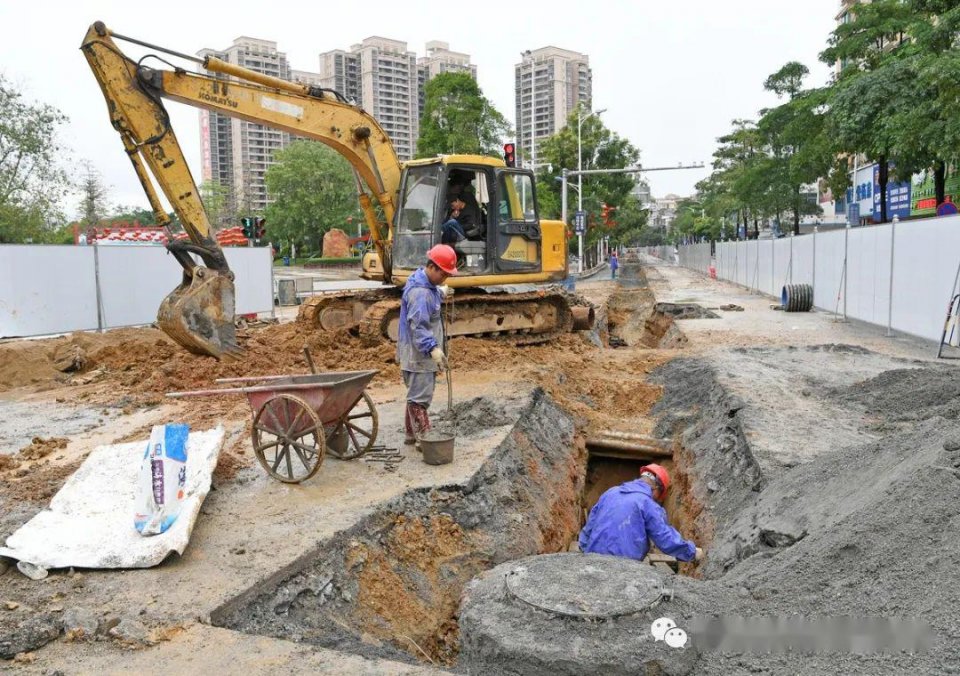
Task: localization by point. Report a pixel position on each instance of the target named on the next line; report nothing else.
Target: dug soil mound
(908, 394)
(862, 531)
(144, 363)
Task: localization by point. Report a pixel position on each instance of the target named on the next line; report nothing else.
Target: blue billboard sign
(898, 196)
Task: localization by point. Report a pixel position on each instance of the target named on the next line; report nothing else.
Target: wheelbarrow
(297, 419)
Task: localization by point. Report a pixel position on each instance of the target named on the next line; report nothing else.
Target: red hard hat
(660, 473)
(444, 257)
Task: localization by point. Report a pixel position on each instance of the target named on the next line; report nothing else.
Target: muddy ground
(818, 463)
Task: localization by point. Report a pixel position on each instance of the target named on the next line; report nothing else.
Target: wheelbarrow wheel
(360, 427)
(288, 439)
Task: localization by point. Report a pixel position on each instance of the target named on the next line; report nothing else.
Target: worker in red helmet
(628, 516)
(420, 341)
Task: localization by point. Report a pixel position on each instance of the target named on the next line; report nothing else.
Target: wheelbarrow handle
(207, 393)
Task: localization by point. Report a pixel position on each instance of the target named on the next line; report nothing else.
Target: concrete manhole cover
(590, 586)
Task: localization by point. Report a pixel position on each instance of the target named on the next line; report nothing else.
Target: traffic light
(247, 224)
(510, 154)
(261, 227)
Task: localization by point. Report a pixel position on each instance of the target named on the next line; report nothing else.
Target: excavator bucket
(199, 313)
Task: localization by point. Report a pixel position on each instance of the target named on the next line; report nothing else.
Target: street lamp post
(580, 119)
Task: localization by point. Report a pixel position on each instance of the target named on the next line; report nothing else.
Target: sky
(671, 75)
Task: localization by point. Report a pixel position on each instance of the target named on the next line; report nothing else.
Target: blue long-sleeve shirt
(623, 521)
(420, 329)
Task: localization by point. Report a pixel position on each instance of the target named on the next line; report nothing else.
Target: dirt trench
(390, 586)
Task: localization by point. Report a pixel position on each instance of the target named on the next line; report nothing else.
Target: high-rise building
(340, 71)
(440, 59)
(382, 76)
(237, 153)
(550, 84)
(389, 82)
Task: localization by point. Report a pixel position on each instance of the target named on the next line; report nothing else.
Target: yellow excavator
(404, 206)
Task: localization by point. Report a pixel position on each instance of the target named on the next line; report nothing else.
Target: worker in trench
(628, 516)
(419, 344)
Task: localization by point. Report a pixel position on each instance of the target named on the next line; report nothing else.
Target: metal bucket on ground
(437, 447)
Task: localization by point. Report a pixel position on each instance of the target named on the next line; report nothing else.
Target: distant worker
(614, 264)
(420, 341)
(628, 516)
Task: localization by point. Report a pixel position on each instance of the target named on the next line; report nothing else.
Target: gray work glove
(439, 358)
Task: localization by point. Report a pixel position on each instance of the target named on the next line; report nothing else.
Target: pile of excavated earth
(822, 477)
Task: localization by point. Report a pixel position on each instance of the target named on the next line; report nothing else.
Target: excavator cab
(486, 212)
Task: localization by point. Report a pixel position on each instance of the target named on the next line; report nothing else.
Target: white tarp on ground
(89, 523)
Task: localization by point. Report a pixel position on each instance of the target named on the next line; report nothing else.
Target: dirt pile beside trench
(865, 531)
(907, 394)
(144, 363)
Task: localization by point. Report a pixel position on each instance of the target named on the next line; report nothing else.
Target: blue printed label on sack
(175, 441)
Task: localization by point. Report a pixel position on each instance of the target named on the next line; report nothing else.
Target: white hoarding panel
(46, 289)
(801, 271)
(134, 279)
(254, 283)
(829, 257)
(745, 263)
(724, 261)
(925, 264)
(782, 269)
(868, 274)
(765, 266)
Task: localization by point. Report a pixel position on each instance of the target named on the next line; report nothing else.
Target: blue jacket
(623, 520)
(614, 263)
(420, 329)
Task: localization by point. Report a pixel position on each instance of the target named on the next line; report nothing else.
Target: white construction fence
(55, 289)
(899, 276)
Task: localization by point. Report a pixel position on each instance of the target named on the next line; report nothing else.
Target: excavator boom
(199, 313)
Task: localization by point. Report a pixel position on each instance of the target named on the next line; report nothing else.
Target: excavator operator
(464, 220)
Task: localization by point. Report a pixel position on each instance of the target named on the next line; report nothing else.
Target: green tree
(217, 203)
(458, 119)
(93, 194)
(313, 189)
(32, 180)
(133, 214)
(796, 145)
(737, 186)
(924, 125)
(601, 149)
(863, 99)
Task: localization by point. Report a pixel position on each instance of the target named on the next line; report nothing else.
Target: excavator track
(342, 309)
(518, 319)
(525, 318)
